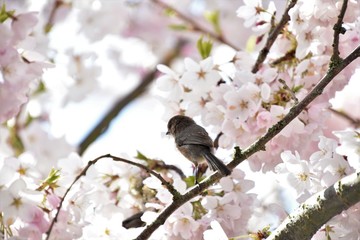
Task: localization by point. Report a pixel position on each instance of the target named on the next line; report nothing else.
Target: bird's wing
(196, 135)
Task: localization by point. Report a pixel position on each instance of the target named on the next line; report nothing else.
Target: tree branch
(255, 147)
(338, 28)
(170, 187)
(335, 67)
(287, 88)
(353, 121)
(165, 166)
(120, 104)
(50, 21)
(272, 37)
(296, 109)
(195, 26)
(319, 209)
(82, 173)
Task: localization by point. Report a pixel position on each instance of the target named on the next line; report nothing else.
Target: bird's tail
(216, 164)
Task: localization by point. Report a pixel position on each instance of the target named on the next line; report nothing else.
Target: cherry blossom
(215, 233)
(240, 104)
(298, 172)
(181, 223)
(18, 74)
(14, 203)
(199, 77)
(226, 93)
(350, 146)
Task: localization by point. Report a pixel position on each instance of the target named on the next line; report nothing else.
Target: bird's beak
(167, 133)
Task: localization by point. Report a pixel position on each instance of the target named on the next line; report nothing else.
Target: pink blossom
(22, 24)
(53, 200)
(263, 119)
(30, 232)
(240, 104)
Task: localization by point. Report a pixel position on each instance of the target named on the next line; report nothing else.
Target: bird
(195, 144)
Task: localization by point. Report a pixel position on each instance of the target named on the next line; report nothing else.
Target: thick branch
(195, 26)
(191, 193)
(319, 209)
(103, 125)
(272, 37)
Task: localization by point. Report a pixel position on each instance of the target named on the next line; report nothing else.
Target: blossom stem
(195, 26)
(353, 121)
(272, 37)
(338, 28)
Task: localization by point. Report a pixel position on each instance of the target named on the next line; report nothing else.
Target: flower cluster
(19, 67)
(29, 202)
(243, 104)
(321, 170)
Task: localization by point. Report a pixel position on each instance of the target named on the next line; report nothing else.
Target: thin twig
(291, 92)
(354, 122)
(120, 104)
(50, 22)
(195, 26)
(272, 37)
(170, 187)
(338, 28)
(172, 167)
(82, 173)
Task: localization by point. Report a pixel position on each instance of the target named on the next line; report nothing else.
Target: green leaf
(4, 15)
(141, 156)
(198, 210)
(250, 44)
(15, 141)
(41, 88)
(51, 180)
(296, 89)
(213, 18)
(178, 27)
(48, 27)
(29, 120)
(190, 181)
(204, 47)
(169, 12)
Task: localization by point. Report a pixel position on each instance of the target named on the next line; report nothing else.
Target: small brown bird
(194, 143)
